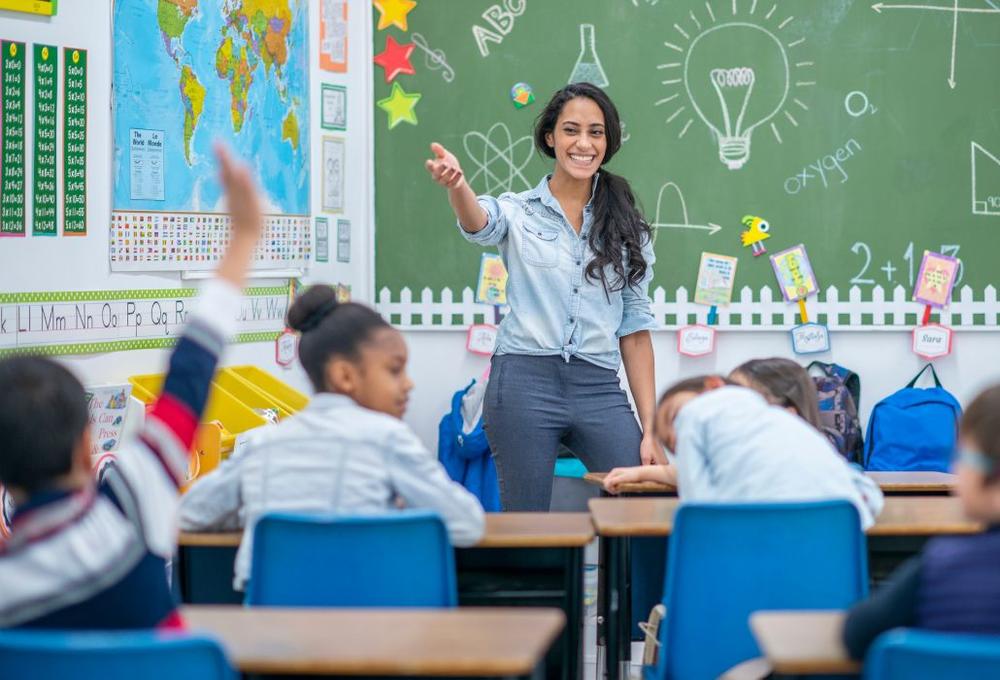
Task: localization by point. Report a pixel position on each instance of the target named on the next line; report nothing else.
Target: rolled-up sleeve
(496, 228)
(637, 312)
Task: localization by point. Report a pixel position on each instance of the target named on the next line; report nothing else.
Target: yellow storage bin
(291, 398)
(235, 416)
(250, 394)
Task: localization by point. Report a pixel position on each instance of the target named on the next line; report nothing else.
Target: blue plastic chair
(56, 655)
(919, 654)
(726, 561)
(397, 559)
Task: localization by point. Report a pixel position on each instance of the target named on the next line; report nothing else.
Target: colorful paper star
(399, 105)
(395, 58)
(393, 12)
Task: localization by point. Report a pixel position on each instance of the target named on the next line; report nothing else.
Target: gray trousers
(534, 403)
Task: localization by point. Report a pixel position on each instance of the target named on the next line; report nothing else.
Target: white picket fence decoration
(774, 314)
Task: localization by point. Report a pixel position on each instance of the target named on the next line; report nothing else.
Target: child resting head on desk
(783, 382)
(347, 451)
(954, 584)
(728, 444)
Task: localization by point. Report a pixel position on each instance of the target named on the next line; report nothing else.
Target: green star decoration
(399, 105)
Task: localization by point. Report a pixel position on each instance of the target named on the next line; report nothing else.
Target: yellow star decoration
(393, 12)
(399, 105)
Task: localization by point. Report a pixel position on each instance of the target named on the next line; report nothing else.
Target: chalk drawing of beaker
(588, 67)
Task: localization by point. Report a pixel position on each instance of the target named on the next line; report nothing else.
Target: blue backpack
(913, 429)
(466, 456)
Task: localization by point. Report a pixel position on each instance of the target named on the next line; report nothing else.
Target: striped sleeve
(156, 466)
(172, 422)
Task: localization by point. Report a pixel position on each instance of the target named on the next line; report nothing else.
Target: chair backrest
(395, 559)
(726, 561)
(919, 654)
(54, 655)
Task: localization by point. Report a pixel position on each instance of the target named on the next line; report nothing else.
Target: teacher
(580, 259)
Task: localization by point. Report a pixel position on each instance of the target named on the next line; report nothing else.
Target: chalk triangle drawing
(985, 181)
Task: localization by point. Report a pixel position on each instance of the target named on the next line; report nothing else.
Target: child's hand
(626, 475)
(444, 168)
(247, 220)
(241, 196)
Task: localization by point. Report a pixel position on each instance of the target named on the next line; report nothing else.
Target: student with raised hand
(580, 258)
(83, 555)
(729, 444)
(954, 584)
(347, 451)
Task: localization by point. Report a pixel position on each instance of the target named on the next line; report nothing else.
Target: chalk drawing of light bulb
(737, 78)
(588, 67)
(737, 73)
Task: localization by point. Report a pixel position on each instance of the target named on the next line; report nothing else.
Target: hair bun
(309, 310)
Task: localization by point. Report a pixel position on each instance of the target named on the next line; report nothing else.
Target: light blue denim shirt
(554, 308)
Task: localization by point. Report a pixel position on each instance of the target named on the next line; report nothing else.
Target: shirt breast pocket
(540, 246)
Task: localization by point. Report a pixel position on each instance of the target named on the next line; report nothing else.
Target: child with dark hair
(347, 451)
(954, 584)
(728, 444)
(87, 555)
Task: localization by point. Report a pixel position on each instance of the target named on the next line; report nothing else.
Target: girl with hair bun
(347, 451)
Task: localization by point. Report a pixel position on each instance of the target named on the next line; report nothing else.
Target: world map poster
(189, 74)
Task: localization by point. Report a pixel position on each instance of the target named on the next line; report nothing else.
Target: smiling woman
(580, 260)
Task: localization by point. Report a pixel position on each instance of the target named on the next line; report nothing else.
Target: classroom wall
(440, 365)
(60, 263)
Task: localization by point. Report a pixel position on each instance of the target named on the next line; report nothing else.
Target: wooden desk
(523, 560)
(803, 642)
(633, 489)
(402, 642)
(923, 483)
(899, 532)
(891, 483)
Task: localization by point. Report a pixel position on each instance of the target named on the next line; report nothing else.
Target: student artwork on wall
(174, 95)
(322, 239)
(333, 107)
(343, 241)
(333, 174)
(794, 273)
(333, 35)
(935, 279)
(492, 286)
(716, 276)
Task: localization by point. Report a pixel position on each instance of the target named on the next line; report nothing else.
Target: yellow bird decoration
(757, 231)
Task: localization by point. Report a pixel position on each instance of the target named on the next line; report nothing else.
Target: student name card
(481, 339)
(810, 338)
(932, 341)
(696, 340)
(935, 279)
(794, 273)
(716, 276)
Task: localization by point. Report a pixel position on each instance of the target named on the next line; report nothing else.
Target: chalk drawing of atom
(498, 160)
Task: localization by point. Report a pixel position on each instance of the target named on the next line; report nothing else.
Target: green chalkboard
(869, 133)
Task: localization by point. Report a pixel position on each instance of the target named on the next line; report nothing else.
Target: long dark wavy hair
(619, 227)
